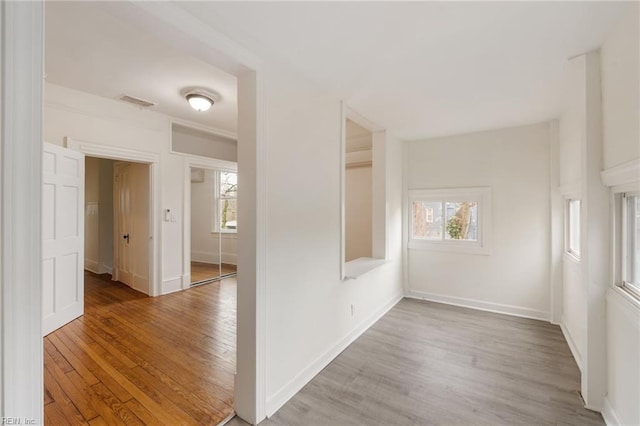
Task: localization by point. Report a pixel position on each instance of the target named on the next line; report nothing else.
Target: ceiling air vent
(137, 101)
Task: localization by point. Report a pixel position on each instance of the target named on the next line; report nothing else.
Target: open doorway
(117, 221)
(23, 352)
(214, 224)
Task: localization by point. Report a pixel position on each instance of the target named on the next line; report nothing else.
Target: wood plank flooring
(135, 360)
(206, 271)
(431, 364)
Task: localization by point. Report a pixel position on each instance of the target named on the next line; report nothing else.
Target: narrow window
(631, 242)
(227, 203)
(573, 227)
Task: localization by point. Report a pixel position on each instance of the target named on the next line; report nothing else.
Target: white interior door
(62, 236)
(124, 253)
(132, 222)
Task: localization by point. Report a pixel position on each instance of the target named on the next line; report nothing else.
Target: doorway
(117, 221)
(214, 224)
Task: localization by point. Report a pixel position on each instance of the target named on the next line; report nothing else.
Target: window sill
(624, 295)
(450, 247)
(572, 258)
(357, 267)
(224, 233)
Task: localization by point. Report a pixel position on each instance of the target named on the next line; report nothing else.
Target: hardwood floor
(431, 364)
(205, 271)
(133, 359)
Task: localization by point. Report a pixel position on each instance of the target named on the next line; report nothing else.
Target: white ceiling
(423, 69)
(89, 49)
(419, 69)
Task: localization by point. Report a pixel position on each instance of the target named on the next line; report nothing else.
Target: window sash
(438, 198)
(573, 234)
(218, 199)
(630, 242)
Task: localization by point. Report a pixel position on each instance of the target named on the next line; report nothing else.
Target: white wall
(91, 214)
(620, 58)
(585, 280)
(192, 141)
(105, 213)
(358, 193)
(514, 162)
(98, 215)
(620, 91)
(204, 242)
(308, 310)
(97, 120)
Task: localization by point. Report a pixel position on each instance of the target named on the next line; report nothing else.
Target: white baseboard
(212, 257)
(186, 281)
(91, 265)
(609, 416)
(171, 285)
(103, 268)
(301, 379)
(572, 344)
(516, 311)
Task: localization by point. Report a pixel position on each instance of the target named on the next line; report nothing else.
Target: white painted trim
(190, 161)
(201, 127)
(342, 173)
(608, 414)
(498, 308)
(571, 190)
(405, 217)
(357, 267)
(360, 120)
(111, 152)
(92, 265)
(103, 268)
(153, 159)
(208, 256)
(21, 147)
(171, 285)
(378, 161)
(303, 377)
(572, 344)
(621, 174)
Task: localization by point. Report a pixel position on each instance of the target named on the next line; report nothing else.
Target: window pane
(228, 213)
(228, 184)
(461, 221)
(633, 240)
(574, 227)
(427, 220)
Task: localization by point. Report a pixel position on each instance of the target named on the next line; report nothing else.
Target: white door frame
(153, 160)
(202, 163)
(21, 66)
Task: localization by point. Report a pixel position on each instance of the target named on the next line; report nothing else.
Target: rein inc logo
(18, 421)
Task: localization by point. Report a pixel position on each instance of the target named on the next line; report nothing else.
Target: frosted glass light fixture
(199, 101)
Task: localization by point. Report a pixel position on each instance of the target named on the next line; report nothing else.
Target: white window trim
(621, 204)
(481, 195)
(573, 255)
(215, 226)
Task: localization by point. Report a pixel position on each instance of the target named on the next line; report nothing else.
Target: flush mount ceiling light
(199, 101)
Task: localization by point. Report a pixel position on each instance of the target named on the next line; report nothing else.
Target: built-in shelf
(354, 268)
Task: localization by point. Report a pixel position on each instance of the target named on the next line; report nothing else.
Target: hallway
(132, 359)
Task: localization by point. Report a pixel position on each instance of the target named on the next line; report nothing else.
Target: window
(226, 200)
(573, 228)
(450, 220)
(631, 242)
